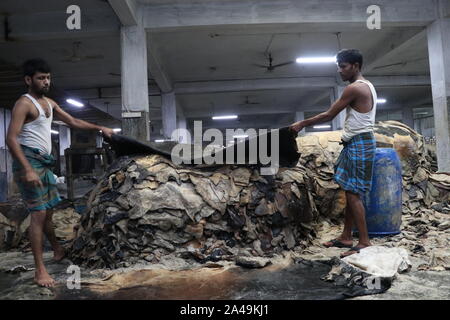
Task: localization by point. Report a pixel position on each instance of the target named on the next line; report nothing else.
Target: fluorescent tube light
(381, 100)
(224, 117)
(316, 59)
(117, 129)
(54, 132)
(75, 103)
(325, 126)
(160, 140)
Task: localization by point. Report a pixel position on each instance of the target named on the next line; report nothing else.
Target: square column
(299, 116)
(135, 102)
(64, 143)
(408, 117)
(183, 137)
(338, 122)
(3, 158)
(438, 34)
(169, 114)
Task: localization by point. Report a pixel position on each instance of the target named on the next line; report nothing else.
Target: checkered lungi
(37, 198)
(354, 167)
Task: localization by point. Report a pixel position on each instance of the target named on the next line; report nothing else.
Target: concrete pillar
(338, 122)
(135, 104)
(182, 124)
(64, 139)
(408, 116)
(417, 125)
(169, 114)
(2, 130)
(438, 34)
(64, 143)
(3, 181)
(8, 159)
(299, 116)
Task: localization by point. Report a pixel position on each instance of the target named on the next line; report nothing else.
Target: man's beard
(40, 91)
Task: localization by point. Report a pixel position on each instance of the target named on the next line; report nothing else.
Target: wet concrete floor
(298, 281)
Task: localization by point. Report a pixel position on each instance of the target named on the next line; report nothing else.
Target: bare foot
(354, 250)
(43, 279)
(58, 253)
(339, 243)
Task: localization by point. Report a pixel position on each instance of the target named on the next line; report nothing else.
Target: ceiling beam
(125, 11)
(182, 13)
(207, 113)
(106, 92)
(273, 123)
(52, 25)
(252, 110)
(387, 51)
(253, 84)
(196, 87)
(399, 81)
(258, 110)
(178, 14)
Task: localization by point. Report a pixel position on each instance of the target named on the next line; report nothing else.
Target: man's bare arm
(340, 104)
(18, 116)
(78, 123)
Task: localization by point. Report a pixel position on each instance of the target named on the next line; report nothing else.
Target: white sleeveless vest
(357, 122)
(37, 133)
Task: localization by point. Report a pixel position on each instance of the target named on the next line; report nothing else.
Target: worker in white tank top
(37, 133)
(29, 141)
(358, 122)
(354, 168)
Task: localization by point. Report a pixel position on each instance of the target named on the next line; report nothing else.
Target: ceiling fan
(270, 67)
(247, 102)
(76, 57)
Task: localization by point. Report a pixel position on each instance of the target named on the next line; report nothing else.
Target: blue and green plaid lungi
(36, 197)
(354, 167)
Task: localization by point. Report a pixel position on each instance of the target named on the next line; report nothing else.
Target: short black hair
(351, 56)
(30, 67)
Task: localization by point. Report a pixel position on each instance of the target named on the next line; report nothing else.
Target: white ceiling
(215, 53)
(188, 55)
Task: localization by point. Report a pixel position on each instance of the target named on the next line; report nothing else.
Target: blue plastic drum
(383, 203)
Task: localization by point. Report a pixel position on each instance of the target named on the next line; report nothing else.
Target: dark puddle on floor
(300, 281)
(6, 281)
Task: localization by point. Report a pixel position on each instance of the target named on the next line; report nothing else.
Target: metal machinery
(83, 159)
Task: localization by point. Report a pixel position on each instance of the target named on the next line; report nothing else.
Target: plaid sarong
(354, 167)
(37, 198)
